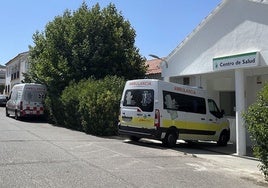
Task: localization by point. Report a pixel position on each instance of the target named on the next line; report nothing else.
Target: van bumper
(30, 113)
(140, 132)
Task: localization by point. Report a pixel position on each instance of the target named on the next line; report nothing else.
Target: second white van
(167, 111)
(26, 100)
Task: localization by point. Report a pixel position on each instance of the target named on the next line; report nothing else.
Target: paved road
(36, 154)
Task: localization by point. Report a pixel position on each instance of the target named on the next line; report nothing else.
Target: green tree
(256, 118)
(85, 43)
(82, 44)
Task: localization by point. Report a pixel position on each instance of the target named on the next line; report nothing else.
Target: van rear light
(21, 105)
(157, 118)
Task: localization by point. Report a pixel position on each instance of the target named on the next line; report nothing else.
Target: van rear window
(142, 98)
(34, 96)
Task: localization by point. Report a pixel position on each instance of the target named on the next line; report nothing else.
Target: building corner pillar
(240, 108)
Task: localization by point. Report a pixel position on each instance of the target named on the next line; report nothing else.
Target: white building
(227, 54)
(15, 69)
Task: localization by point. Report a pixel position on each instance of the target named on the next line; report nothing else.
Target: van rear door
(138, 108)
(33, 99)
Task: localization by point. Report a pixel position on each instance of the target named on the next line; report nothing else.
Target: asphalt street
(37, 154)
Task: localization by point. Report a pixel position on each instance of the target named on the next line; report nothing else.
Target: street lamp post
(155, 56)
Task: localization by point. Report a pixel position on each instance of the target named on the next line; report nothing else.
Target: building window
(186, 81)
(227, 102)
(26, 66)
(7, 89)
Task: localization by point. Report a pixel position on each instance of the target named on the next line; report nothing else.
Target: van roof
(22, 84)
(173, 83)
(144, 83)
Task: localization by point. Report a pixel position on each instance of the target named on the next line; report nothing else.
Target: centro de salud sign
(236, 61)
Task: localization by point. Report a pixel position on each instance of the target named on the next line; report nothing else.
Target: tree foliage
(86, 43)
(256, 118)
(79, 45)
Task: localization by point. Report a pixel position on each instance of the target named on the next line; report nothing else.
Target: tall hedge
(70, 99)
(93, 105)
(256, 118)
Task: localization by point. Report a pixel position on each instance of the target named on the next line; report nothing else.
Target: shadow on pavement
(199, 147)
(33, 119)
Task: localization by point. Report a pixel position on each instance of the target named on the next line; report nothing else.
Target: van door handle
(203, 118)
(213, 121)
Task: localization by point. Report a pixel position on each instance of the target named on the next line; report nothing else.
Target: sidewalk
(246, 165)
(230, 149)
(223, 157)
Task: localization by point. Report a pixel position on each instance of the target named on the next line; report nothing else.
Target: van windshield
(34, 96)
(213, 108)
(142, 98)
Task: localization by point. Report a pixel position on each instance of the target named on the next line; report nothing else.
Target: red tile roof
(153, 66)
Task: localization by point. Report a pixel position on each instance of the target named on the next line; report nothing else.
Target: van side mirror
(222, 112)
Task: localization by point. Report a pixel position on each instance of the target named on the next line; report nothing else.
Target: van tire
(7, 114)
(134, 138)
(223, 139)
(170, 139)
(16, 115)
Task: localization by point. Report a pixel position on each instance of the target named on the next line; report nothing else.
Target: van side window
(142, 98)
(28, 95)
(213, 109)
(184, 103)
(13, 95)
(18, 95)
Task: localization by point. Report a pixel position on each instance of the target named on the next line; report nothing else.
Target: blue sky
(160, 25)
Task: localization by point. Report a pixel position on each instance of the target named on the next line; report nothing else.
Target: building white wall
(240, 27)
(2, 75)
(17, 64)
(235, 27)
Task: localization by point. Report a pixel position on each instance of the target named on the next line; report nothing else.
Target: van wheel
(16, 115)
(134, 138)
(223, 139)
(170, 139)
(7, 114)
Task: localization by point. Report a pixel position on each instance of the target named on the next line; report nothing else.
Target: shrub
(93, 105)
(70, 101)
(99, 105)
(54, 109)
(256, 118)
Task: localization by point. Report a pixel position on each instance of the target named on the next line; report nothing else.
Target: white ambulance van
(26, 100)
(167, 111)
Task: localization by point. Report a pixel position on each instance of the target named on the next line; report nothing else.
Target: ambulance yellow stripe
(193, 125)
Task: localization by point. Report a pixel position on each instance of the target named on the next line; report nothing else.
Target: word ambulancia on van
(26, 100)
(167, 111)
